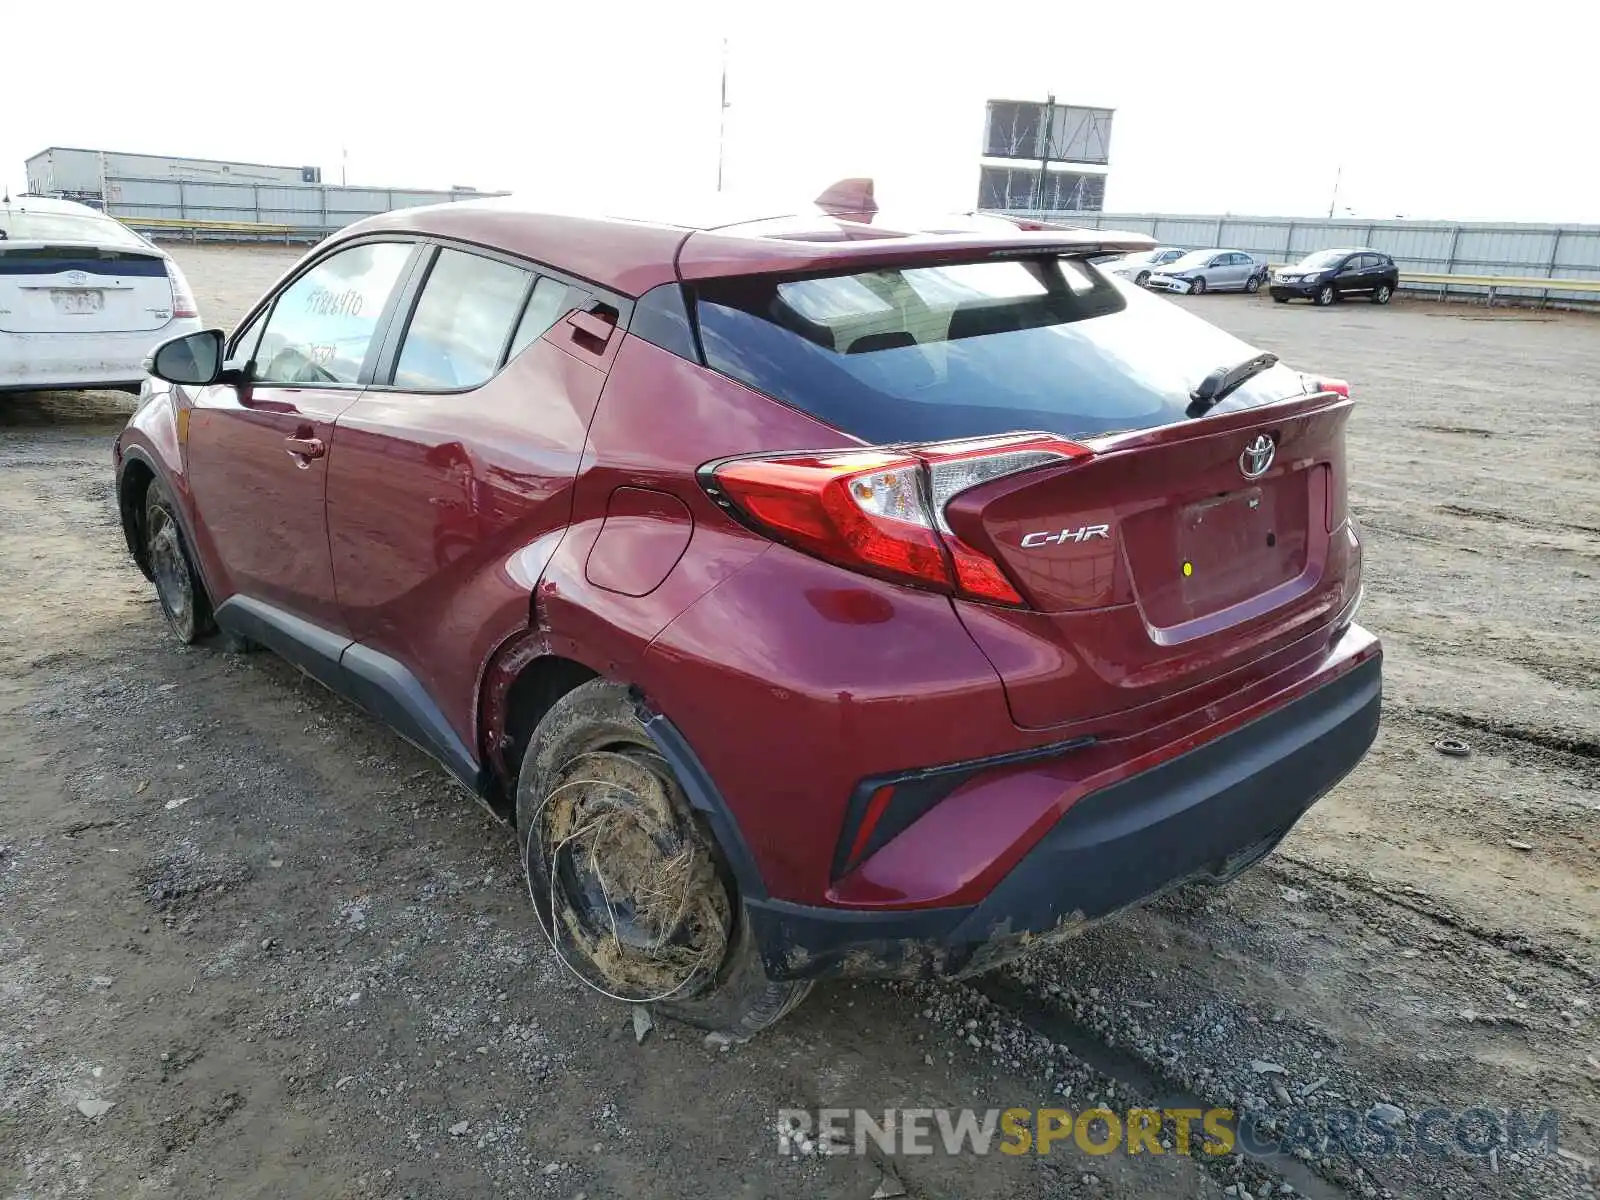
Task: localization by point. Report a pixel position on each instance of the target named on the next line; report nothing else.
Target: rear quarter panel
(789, 677)
(658, 419)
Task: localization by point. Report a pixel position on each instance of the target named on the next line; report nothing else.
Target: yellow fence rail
(254, 229)
(1496, 283)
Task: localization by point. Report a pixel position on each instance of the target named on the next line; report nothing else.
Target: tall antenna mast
(722, 116)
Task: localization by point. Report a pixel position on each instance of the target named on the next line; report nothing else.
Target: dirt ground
(296, 961)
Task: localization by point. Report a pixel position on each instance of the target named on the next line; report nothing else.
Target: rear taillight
(1317, 384)
(881, 510)
(183, 304)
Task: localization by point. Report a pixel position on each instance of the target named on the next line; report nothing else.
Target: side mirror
(194, 358)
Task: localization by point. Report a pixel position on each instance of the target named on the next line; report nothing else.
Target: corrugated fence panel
(1531, 249)
(157, 192)
(290, 199)
(1268, 238)
(1186, 231)
(1577, 254)
(1424, 247)
(360, 199)
(202, 196)
(1420, 247)
(310, 210)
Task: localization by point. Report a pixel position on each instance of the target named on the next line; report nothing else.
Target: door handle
(593, 325)
(306, 447)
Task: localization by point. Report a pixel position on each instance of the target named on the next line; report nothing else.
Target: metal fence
(1424, 247)
(309, 211)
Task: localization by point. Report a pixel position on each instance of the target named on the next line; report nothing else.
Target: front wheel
(1383, 295)
(627, 881)
(183, 598)
(1253, 284)
(1197, 287)
(1142, 278)
(1325, 295)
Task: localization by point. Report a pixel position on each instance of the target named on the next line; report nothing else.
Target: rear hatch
(1173, 546)
(48, 287)
(1157, 563)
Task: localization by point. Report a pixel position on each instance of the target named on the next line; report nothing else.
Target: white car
(83, 298)
(1139, 265)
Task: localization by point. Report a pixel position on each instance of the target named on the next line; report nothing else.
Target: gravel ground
(252, 944)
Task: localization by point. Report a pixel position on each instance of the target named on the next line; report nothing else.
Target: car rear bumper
(40, 361)
(1206, 814)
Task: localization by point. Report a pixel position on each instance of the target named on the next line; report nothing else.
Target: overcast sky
(1221, 106)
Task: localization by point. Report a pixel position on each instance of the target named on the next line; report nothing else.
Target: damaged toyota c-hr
(825, 595)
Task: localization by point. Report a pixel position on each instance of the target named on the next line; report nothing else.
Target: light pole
(722, 116)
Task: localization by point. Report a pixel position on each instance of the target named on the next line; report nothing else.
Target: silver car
(1202, 271)
(1141, 264)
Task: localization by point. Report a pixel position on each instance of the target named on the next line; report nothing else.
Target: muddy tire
(183, 598)
(627, 881)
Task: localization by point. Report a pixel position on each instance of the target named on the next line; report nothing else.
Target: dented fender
(153, 438)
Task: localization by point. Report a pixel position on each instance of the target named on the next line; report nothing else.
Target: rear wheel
(627, 882)
(183, 598)
(1197, 287)
(1383, 294)
(1326, 295)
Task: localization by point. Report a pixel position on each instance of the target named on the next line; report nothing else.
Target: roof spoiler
(710, 254)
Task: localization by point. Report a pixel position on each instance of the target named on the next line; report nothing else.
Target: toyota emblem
(1256, 458)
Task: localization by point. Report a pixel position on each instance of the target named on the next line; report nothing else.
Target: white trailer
(79, 174)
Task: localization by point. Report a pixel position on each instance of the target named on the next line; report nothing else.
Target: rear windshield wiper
(1214, 388)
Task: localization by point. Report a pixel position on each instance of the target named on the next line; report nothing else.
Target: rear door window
(971, 349)
(551, 300)
(322, 324)
(458, 332)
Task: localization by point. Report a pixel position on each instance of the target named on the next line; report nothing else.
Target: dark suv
(811, 595)
(1330, 275)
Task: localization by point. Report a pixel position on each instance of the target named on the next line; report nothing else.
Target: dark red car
(813, 595)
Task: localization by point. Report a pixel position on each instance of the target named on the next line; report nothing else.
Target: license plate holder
(1223, 542)
(78, 301)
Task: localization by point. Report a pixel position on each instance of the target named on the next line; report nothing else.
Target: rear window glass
(461, 322)
(919, 354)
(22, 226)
